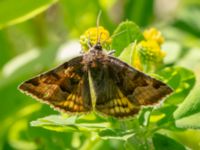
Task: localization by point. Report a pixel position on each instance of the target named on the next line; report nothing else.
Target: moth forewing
(65, 88)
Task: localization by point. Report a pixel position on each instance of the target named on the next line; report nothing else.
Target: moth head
(98, 46)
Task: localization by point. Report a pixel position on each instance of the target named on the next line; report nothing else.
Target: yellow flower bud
(153, 34)
(90, 36)
(150, 51)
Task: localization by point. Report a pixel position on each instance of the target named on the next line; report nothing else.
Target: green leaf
(117, 134)
(61, 123)
(127, 54)
(191, 122)
(162, 142)
(144, 116)
(166, 119)
(180, 79)
(126, 33)
(188, 113)
(12, 12)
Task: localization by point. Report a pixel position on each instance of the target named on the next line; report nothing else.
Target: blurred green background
(37, 35)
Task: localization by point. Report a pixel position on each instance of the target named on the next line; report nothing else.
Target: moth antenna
(98, 20)
(99, 38)
(89, 43)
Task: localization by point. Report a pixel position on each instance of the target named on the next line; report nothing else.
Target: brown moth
(120, 90)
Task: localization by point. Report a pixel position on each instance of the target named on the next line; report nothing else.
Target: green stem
(90, 143)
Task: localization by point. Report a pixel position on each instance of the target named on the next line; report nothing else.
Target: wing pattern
(65, 88)
(121, 90)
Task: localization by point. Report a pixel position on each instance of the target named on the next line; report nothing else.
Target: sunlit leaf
(126, 33)
(180, 79)
(188, 113)
(163, 118)
(60, 123)
(12, 12)
(127, 54)
(116, 134)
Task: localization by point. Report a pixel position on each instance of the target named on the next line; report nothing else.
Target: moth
(119, 90)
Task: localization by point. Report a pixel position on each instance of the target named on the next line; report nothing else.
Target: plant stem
(90, 142)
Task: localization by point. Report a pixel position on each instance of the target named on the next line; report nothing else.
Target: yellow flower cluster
(153, 34)
(149, 50)
(90, 37)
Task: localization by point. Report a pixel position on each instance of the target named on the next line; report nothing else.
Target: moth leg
(112, 52)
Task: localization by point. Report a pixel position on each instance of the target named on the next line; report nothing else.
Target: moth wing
(137, 86)
(65, 88)
(121, 90)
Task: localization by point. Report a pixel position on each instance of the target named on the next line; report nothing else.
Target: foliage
(32, 38)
